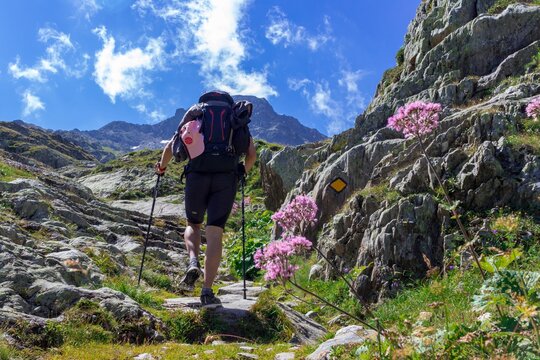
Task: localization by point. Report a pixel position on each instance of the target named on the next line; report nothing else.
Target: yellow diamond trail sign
(338, 185)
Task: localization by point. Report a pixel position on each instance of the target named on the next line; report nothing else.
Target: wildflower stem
(351, 287)
(334, 306)
(454, 211)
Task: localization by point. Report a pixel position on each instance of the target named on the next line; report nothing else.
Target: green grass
(9, 173)
(501, 5)
(5, 352)
(381, 192)
(104, 262)
(129, 287)
(161, 281)
(530, 142)
(455, 292)
(390, 76)
(169, 351)
(534, 65)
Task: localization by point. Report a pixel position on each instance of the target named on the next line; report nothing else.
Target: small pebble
(247, 356)
(247, 349)
(284, 356)
(144, 356)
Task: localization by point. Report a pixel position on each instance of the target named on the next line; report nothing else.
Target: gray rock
(306, 331)
(284, 356)
(144, 356)
(316, 272)
(238, 289)
(350, 335)
(247, 356)
(312, 314)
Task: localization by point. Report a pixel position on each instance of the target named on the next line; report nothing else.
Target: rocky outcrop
(57, 245)
(347, 336)
(280, 170)
(474, 64)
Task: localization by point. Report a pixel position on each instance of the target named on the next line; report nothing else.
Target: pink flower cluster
(275, 257)
(416, 118)
(533, 109)
(302, 210)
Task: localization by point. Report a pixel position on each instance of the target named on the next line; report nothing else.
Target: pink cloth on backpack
(192, 138)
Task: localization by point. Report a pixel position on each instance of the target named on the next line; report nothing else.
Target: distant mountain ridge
(121, 136)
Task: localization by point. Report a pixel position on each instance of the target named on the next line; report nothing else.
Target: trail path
(236, 309)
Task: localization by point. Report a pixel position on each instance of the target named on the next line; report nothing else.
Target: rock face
(57, 243)
(476, 66)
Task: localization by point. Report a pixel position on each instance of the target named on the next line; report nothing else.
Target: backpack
(224, 127)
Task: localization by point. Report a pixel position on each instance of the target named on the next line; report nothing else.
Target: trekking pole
(148, 230)
(243, 238)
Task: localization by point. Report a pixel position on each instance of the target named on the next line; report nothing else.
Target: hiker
(213, 135)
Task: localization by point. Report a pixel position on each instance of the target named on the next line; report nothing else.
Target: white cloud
(154, 115)
(349, 80)
(209, 33)
(87, 8)
(31, 103)
(340, 111)
(59, 44)
(282, 30)
(125, 73)
(32, 74)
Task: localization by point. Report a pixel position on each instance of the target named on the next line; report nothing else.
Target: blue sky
(68, 64)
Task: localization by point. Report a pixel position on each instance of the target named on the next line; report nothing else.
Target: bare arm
(166, 156)
(251, 155)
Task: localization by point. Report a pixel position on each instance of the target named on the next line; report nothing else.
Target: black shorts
(210, 192)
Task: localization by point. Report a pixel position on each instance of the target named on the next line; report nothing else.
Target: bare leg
(214, 247)
(192, 238)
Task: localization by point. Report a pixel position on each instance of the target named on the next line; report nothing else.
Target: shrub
(186, 326)
(258, 227)
(34, 335)
(269, 323)
(400, 56)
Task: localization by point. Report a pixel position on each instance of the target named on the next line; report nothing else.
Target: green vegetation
(104, 262)
(390, 76)
(381, 192)
(527, 136)
(501, 5)
(9, 173)
(129, 287)
(161, 281)
(169, 351)
(534, 65)
(254, 183)
(400, 56)
(258, 227)
(5, 352)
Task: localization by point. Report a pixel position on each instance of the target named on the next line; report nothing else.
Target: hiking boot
(192, 274)
(209, 300)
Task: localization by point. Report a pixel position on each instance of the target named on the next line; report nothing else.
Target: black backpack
(225, 130)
